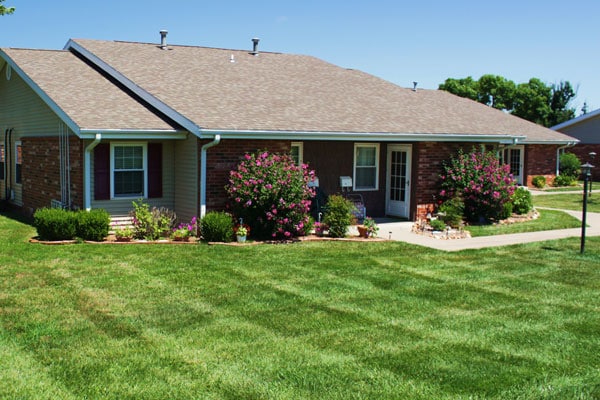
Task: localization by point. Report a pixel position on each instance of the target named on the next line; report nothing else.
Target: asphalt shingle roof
(268, 92)
(91, 100)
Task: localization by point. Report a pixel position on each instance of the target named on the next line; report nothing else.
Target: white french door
(398, 180)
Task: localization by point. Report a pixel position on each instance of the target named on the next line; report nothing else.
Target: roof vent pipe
(163, 39)
(415, 86)
(255, 46)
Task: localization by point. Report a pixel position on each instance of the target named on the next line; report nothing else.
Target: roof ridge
(185, 46)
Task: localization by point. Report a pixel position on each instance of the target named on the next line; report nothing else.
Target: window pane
(129, 157)
(295, 153)
(365, 178)
(365, 156)
(129, 183)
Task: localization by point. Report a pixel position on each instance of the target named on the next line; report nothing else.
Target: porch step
(119, 222)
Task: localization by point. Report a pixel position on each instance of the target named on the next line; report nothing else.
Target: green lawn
(322, 320)
(568, 201)
(548, 220)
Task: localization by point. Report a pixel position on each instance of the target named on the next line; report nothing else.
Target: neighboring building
(585, 128)
(102, 123)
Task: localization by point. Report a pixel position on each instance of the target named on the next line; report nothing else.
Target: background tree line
(534, 101)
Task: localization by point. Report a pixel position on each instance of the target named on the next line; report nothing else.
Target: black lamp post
(593, 157)
(586, 170)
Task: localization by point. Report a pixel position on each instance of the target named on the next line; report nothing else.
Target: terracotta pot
(362, 231)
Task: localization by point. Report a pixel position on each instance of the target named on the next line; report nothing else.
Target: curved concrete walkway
(401, 231)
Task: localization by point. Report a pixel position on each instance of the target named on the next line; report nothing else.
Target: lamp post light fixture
(592, 155)
(586, 170)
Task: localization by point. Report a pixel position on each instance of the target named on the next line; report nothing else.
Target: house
(101, 123)
(585, 128)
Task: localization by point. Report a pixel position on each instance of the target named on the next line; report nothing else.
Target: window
(1, 162)
(297, 152)
(128, 166)
(18, 162)
(366, 166)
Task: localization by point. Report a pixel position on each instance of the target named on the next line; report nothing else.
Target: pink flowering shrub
(481, 181)
(271, 194)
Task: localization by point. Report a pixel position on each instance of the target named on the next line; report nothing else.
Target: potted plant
(185, 231)
(124, 234)
(241, 231)
(368, 229)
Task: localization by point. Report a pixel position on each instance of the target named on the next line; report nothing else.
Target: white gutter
(365, 136)
(131, 134)
(87, 172)
(216, 141)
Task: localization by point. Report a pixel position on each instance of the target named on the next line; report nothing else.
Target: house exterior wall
(121, 207)
(41, 172)
(186, 194)
(540, 160)
(587, 131)
(428, 158)
(23, 111)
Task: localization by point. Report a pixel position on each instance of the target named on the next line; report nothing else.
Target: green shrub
(93, 225)
(539, 181)
(452, 211)
(216, 226)
(338, 216)
(151, 224)
(55, 224)
(521, 201)
(569, 165)
(437, 224)
(564, 180)
(507, 210)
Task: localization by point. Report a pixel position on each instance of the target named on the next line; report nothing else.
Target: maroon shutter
(155, 170)
(102, 172)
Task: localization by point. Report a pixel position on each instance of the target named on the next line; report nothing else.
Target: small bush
(216, 227)
(507, 210)
(55, 224)
(521, 201)
(338, 216)
(539, 181)
(93, 225)
(437, 224)
(569, 165)
(452, 211)
(564, 180)
(151, 224)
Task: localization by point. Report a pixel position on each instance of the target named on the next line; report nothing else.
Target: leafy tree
(534, 100)
(6, 10)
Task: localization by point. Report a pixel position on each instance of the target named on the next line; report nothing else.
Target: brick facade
(540, 160)
(41, 172)
(224, 157)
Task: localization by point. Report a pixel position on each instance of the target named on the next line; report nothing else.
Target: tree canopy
(6, 10)
(535, 101)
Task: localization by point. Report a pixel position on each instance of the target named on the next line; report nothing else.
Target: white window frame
(17, 145)
(355, 167)
(144, 146)
(300, 146)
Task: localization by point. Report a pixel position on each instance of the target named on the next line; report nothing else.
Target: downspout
(8, 163)
(87, 172)
(216, 141)
(558, 151)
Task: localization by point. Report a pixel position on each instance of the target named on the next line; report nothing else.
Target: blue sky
(401, 41)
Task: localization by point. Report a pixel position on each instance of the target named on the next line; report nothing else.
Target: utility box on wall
(345, 182)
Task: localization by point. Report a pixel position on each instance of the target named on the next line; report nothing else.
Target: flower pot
(241, 239)
(363, 231)
(123, 239)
